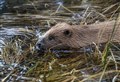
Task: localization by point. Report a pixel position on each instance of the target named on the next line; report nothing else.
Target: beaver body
(64, 35)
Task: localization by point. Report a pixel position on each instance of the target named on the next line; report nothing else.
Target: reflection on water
(6, 34)
(2, 6)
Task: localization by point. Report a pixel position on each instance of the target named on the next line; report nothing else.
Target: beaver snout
(40, 46)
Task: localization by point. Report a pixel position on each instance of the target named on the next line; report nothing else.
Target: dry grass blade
(97, 75)
(108, 8)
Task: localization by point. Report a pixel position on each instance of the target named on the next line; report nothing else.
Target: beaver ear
(67, 32)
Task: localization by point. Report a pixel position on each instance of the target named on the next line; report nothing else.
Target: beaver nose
(40, 45)
(40, 48)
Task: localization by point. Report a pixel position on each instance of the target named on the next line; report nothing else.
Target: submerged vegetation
(19, 61)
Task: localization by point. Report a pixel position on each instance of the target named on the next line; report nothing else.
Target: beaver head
(62, 36)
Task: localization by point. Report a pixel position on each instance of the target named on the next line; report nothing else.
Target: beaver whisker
(55, 46)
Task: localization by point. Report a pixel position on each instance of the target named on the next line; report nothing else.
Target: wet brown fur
(81, 35)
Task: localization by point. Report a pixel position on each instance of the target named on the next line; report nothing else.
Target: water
(2, 6)
(6, 34)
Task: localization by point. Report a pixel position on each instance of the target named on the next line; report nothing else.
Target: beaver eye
(67, 33)
(51, 37)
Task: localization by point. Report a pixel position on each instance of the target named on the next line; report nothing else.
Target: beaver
(64, 35)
